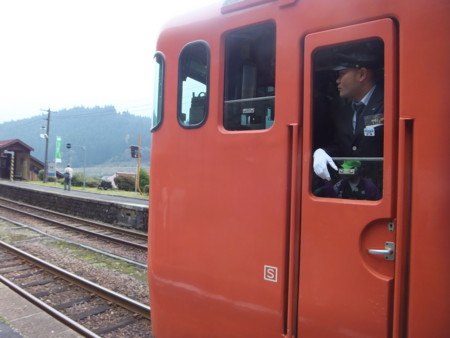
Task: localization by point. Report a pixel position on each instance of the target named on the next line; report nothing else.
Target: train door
(348, 228)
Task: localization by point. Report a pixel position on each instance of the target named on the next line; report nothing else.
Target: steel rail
(48, 309)
(129, 232)
(96, 289)
(25, 226)
(92, 233)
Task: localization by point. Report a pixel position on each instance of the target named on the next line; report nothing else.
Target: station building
(16, 162)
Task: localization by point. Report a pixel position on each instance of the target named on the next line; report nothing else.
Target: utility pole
(46, 145)
(139, 164)
(69, 146)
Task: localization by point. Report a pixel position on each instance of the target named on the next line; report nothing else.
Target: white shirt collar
(367, 97)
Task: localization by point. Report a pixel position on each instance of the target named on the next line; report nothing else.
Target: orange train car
(245, 238)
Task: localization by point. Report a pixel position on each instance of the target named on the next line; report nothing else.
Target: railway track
(120, 242)
(86, 307)
(108, 232)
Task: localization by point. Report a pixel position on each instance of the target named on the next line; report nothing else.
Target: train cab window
(348, 120)
(193, 84)
(249, 97)
(158, 97)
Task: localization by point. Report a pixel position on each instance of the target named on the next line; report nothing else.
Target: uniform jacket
(347, 144)
(365, 190)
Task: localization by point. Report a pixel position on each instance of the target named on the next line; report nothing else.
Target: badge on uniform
(372, 121)
(369, 131)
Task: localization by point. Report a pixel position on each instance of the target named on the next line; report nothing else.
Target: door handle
(388, 252)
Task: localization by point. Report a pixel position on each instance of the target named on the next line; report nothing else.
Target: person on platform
(68, 174)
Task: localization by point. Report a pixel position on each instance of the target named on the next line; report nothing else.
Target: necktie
(357, 107)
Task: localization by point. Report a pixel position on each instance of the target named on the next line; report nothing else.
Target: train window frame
(201, 101)
(254, 105)
(158, 91)
(369, 170)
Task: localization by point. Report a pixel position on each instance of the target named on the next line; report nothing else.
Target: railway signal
(134, 151)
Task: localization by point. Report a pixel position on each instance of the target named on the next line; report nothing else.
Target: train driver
(359, 123)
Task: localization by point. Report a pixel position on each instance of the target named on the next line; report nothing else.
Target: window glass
(250, 78)
(193, 86)
(348, 120)
(158, 91)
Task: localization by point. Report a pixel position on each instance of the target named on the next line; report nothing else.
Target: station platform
(20, 318)
(112, 209)
(53, 188)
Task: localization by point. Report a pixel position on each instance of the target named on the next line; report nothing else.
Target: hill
(105, 134)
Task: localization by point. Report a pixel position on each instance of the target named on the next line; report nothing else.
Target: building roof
(37, 162)
(14, 144)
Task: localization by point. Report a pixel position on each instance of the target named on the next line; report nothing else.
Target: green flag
(58, 150)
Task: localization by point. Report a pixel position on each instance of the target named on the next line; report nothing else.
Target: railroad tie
(72, 302)
(91, 312)
(49, 292)
(115, 326)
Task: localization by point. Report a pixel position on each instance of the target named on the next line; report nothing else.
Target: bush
(92, 182)
(124, 182)
(144, 180)
(41, 174)
(77, 180)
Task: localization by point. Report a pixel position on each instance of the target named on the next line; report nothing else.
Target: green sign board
(58, 150)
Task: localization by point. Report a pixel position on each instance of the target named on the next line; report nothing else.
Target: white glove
(321, 159)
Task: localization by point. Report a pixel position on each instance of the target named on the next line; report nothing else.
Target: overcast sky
(60, 54)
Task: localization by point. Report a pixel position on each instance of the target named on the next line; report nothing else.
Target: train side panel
(241, 246)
